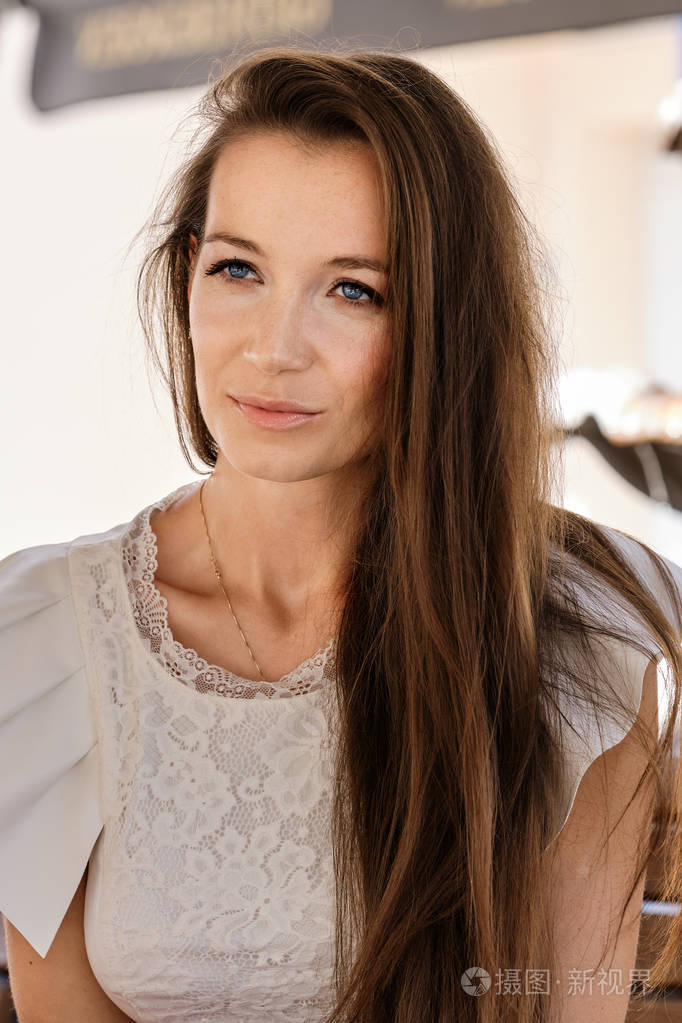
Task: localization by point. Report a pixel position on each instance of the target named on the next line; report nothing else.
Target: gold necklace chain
(220, 580)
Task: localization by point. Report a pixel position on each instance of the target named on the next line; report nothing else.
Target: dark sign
(87, 50)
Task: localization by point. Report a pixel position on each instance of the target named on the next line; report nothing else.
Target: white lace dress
(201, 800)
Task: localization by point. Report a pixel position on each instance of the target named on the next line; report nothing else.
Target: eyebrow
(342, 262)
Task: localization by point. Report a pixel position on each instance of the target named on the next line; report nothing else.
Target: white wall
(84, 445)
(576, 116)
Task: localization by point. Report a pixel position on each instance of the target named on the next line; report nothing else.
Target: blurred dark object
(652, 467)
(7, 1013)
(670, 117)
(88, 49)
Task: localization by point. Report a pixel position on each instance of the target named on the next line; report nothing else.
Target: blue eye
(354, 292)
(353, 286)
(238, 265)
(237, 269)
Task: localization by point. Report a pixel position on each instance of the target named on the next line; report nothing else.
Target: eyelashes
(215, 269)
(224, 264)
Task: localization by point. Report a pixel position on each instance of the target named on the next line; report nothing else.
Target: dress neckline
(150, 612)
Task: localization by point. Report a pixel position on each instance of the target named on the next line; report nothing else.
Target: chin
(277, 469)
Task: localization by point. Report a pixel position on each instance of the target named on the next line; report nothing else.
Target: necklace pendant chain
(220, 580)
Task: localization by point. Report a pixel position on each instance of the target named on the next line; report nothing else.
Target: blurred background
(587, 120)
(95, 105)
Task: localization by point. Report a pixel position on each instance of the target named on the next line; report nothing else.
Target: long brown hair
(459, 598)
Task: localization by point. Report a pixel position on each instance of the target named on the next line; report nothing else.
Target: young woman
(360, 717)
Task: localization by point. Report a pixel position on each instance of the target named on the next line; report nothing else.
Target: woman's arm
(590, 889)
(61, 988)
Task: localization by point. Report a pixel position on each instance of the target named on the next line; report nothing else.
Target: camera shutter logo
(476, 981)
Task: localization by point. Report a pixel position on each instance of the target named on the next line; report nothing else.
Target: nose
(275, 337)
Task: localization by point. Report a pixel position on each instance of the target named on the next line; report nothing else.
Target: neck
(283, 545)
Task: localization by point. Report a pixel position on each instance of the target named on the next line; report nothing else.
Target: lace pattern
(210, 891)
(150, 609)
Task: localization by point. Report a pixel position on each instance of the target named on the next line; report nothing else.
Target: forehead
(269, 185)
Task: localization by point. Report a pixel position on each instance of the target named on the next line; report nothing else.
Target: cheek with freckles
(364, 397)
(350, 371)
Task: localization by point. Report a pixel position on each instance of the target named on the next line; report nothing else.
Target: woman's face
(281, 304)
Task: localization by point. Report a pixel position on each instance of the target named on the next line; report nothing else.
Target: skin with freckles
(282, 305)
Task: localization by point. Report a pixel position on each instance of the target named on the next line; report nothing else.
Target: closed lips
(272, 404)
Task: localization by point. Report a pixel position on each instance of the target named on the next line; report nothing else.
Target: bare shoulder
(592, 878)
(61, 986)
